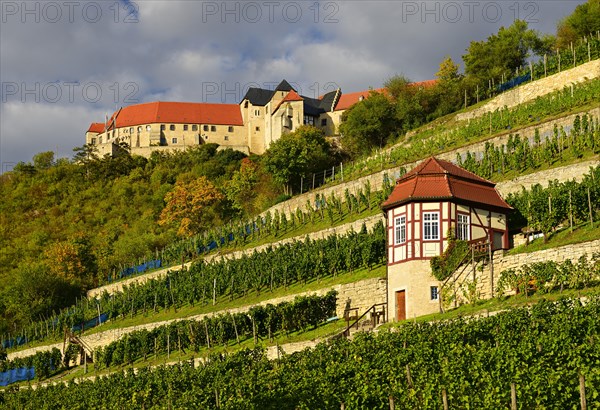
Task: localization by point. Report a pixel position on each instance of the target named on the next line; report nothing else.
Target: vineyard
(543, 209)
(205, 283)
(262, 322)
(545, 356)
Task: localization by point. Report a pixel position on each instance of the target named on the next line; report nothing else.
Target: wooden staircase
(369, 320)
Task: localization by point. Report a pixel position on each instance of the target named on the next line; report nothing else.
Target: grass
(582, 232)
(224, 303)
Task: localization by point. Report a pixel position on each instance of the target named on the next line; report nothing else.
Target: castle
(261, 118)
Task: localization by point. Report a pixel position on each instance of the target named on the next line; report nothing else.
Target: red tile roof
(348, 100)
(436, 179)
(177, 112)
(291, 96)
(97, 127)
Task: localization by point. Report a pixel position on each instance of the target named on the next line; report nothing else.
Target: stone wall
(503, 262)
(362, 295)
(535, 89)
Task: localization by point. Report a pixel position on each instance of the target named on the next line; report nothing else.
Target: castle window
(431, 226)
(93, 141)
(131, 130)
(256, 113)
(400, 230)
(139, 129)
(257, 128)
(230, 129)
(213, 128)
(174, 140)
(462, 227)
(310, 120)
(185, 127)
(148, 128)
(205, 128)
(172, 127)
(226, 137)
(434, 293)
(162, 127)
(100, 140)
(194, 127)
(323, 122)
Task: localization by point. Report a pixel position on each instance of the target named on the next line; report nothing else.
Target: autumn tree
(72, 260)
(192, 205)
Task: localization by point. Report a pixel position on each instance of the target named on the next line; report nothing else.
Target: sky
(67, 63)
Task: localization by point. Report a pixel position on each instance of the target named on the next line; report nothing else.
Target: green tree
(584, 21)
(296, 155)
(368, 124)
(502, 53)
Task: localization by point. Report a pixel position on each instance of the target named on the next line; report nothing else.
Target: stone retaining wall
(535, 89)
(503, 262)
(362, 295)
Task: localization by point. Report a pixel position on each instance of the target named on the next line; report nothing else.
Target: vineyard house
(434, 199)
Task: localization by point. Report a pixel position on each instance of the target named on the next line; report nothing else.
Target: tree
(368, 124)
(502, 53)
(192, 205)
(584, 21)
(72, 260)
(241, 189)
(296, 155)
(448, 88)
(43, 160)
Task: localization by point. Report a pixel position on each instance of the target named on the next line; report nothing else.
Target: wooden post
(545, 65)
(531, 69)
(473, 261)
(206, 331)
(313, 182)
(168, 345)
(513, 397)
(342, 170)
(408, 377)
(445, 399)
(465, 98)
(558, 54)
(590, 208)
(301, 184)
(392, 405)
(582, 391)
(570, 212)
(215, 291)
